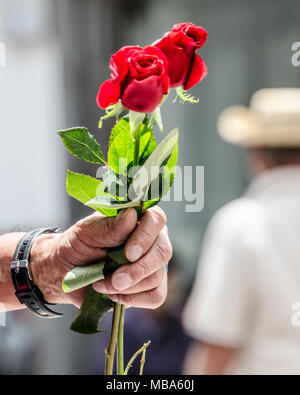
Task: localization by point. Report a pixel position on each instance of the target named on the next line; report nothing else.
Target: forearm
(41, 266)
(8, 244)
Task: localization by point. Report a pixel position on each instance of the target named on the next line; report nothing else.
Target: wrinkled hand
(142, 283)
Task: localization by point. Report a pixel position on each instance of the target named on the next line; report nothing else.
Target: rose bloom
(139, 79)
(186, 68)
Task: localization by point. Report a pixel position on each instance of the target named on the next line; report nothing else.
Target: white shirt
(248, 282)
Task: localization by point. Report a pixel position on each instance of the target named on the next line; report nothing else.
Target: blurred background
(57, 54)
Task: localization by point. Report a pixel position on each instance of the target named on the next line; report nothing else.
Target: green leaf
(85, 188)
(118, 128)
(151, 203)
(121, 146)
(82, 144)
(92, 310)
(101, 202)
(141, 182)
(147, 146)
(115, 185)
(117, 254)
(161, 186)
(82, 276)
(171, 165)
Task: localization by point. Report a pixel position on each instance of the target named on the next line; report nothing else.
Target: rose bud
(186, 68)
(139, 78)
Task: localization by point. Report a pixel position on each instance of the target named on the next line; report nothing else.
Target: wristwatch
(26, 290)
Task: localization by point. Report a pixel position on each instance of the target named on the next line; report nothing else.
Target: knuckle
(83, 231)
(157, 297)
(129, 299)
(144, 237)
(77, 241)
(158, 216)
(110, 231)
(164, 251)
(107, 228)
(169, 251)
(160, 253)
(155, 279)
(142, 270)
(166, 246)
(79, 229)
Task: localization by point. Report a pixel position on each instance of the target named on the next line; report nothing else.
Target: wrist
(8, 244)
(44, 269)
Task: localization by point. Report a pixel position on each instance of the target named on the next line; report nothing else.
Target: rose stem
(122, 311)
(110, 352)
(121, 342)
(135, 356)
(143, 360)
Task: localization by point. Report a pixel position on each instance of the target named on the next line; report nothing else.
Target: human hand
(142, 283)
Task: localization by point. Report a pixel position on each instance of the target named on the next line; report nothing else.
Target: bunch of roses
(140, 77)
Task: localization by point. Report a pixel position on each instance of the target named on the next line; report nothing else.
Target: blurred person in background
(241, 308)
(169, 342)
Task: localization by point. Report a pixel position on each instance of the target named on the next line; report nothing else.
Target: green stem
(110, 351)
(121, 342)
(143, 360)
(137, 148)
(121, 313)
(133, 358)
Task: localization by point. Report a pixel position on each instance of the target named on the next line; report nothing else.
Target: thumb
(99, 231)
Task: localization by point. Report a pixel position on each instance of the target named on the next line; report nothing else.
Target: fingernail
(134, 252)
(121, 281)
(114, 298)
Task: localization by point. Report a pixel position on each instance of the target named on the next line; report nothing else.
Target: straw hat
(272, 120)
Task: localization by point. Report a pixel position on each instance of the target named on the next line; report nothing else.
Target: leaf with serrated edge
(85, 188)
(82, 144)
(93, 308)
(82, 276)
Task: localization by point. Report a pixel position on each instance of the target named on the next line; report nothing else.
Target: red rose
(186, 68)
(139, 79)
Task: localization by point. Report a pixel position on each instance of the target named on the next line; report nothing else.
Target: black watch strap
(26, 291)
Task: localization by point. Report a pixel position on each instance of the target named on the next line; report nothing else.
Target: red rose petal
(109, 93)
(199, 34)
(139, 79)
(183, 41)
(179, 61)
(119, 62)
(144, 95)
(197, 73)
